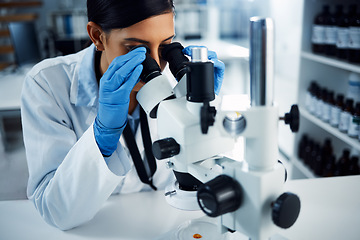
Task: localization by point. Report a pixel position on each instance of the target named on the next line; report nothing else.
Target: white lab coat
(69, 179)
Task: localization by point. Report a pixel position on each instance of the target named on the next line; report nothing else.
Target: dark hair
(112, 14)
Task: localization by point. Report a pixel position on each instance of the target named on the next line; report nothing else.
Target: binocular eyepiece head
(172, 53)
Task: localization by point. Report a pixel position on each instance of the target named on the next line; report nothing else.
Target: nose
(154, 53)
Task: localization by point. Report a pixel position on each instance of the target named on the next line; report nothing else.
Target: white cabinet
(328, 72)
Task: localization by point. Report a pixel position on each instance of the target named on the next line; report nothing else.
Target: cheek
(114, 50)
(138, 86)
(111, 55)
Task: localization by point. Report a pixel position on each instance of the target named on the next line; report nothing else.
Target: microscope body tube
(261, 140)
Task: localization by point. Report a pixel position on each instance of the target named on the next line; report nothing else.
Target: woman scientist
(75, 109)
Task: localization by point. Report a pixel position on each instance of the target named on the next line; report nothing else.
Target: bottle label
(353, 91)
(330, 35)
(344, 121)
(342, 38)
(319, 108)
(326, 112)
(313, 104)
(308, 100)
(318, 34)
(354, 126)
(335, 115)
(354, 37)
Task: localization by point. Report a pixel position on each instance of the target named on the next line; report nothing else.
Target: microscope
(194, 132)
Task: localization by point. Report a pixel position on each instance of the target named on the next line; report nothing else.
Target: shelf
(302, 168)
(4, 33)
(331, 62)
(16, 4)
(6, 49)
(4, 65)
(19, 17)
(327, 127)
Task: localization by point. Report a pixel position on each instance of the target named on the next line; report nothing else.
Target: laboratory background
(321, 77)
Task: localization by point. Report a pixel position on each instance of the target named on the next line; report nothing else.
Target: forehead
(154, 28)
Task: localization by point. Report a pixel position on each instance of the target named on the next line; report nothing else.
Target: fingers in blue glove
(115, 87)
(132, 79)
(219, 70)
(125, 62)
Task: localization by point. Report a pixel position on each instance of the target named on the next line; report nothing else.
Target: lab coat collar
(84, 88)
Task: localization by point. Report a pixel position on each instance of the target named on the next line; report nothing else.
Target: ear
(96, 35)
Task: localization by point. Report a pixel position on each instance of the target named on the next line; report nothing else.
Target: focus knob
(221, 195)
(285, 210)
(292, 118)
(165, 148)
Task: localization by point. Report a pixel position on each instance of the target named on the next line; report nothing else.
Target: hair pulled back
(112, 14)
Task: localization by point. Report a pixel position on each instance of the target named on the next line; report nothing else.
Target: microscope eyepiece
(151, 68)
(173, 54)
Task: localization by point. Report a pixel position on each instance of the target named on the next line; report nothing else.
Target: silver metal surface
(261, 61)
(234, 123)
(199, 54)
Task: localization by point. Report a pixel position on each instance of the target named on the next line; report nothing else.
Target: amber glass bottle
(354, 32)
(302, 144)
(327, 106)
(327, 148)
(345, 115)
(343, 164)
(307, 151)
(318, 31)
(354, 122)
(354, 166)
(342, 40)
(329, 168)
(330, 34)
(314, 155)
(336, 110)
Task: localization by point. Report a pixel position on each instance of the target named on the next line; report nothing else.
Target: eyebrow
(146, 42)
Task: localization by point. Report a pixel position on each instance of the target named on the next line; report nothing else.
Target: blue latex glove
(219, 67)
(114, 97)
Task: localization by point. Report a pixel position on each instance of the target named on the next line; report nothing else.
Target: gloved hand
(219, 67)
(114, 97)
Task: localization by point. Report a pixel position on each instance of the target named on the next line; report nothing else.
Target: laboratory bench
(330, 209)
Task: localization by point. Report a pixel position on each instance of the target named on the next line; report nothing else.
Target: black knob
(293, 118)
(207, 117)
(221, 195)
(165, 148)
(285, 210)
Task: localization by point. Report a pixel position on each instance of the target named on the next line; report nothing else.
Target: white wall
(287, 16)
